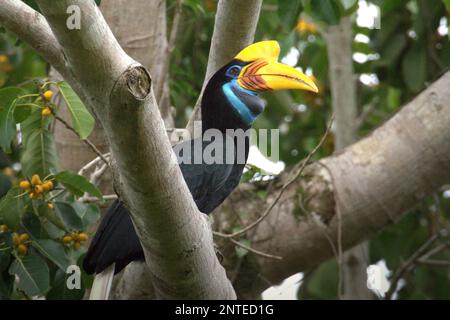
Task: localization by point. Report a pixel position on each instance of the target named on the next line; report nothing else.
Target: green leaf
(21, 113)
(8, 95)
(414, 68)
(7, 127)
(328, 11)
(6, 285)
(289, 11)
(33, 274)
(89, 213)
(447, 4)
(82, 120)
(5, 184)
(77, 184)
(52, 250)
(5, 257)
(60, 291)
(12, 208)
(39, 155)
(68, 215)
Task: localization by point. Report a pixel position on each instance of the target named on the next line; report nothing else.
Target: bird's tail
(102, 284)
(113, 247)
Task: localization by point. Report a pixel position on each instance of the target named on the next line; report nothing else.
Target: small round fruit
(83, 237)
(46, 112)
(35, 179)
(3, 228)
(3, 58)
(67, 239)
(23, 237)
(76, 246)
(25, 185)
(50, 205)
(39, 189)
(22, 249)
(8, 171)
(15, 238)
(48, 95)
(48, 185)
(32, 195)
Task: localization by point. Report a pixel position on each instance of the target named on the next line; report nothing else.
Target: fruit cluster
(47, 96)
(21, 242)
(75, 238)
(36, 187)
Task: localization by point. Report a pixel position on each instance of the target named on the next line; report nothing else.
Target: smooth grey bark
(175, 236)
(234, 29)
(339, 39)
(372, 182)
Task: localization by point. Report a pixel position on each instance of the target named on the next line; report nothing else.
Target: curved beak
(267, 74)
(264, 72)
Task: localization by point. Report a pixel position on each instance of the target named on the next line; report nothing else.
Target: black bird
(230, 101)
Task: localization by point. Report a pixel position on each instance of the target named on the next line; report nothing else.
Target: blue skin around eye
(244, 112)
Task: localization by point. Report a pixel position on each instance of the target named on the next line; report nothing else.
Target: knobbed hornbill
(230, 101)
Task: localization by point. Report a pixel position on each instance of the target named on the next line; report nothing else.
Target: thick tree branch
(372, 182)
(31, 27)
(234, 29)
(175, 236)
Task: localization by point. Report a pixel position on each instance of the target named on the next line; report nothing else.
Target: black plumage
(116, 240)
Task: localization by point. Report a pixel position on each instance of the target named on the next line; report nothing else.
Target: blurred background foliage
(395, 56)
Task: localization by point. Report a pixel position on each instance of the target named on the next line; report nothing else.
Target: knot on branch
(316, 190)
(138, 81)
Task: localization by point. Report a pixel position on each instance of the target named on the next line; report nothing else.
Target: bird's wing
(209, 184)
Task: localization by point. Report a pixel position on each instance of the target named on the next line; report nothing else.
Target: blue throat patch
(243, 111)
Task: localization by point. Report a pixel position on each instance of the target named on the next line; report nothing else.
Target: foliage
(43, 227)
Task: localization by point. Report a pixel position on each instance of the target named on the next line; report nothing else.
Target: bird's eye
(234, 71)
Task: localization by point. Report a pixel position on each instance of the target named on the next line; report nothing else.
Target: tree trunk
(354, 262)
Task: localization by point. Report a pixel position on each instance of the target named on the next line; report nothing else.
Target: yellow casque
(264, 72)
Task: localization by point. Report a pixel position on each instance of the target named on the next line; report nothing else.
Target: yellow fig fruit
(83, 237)
(22, 249)
(15, 238)
(25, 185)
(35, 179)
(48, 95)
(23, 237)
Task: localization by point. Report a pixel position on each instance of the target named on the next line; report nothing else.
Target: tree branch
(31, 27)
(176, 238)
(234, 29)
(372, 182)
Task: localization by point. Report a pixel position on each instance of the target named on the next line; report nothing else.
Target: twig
(364, 115)
(274, 202)
(95, 199)
(87, 141)
(92, 163)
(434, 262)
(170, 47)
(259, 253)
(408, 264)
